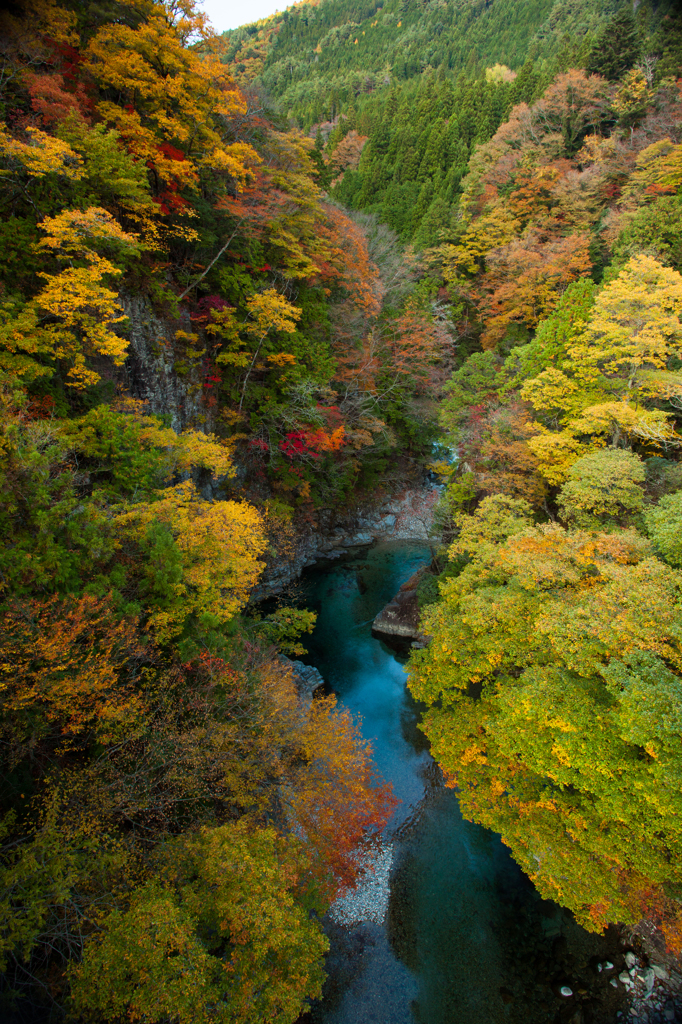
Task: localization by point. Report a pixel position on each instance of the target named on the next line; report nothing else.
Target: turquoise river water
(466, 940)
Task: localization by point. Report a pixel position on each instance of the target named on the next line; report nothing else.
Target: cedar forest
(248, 277)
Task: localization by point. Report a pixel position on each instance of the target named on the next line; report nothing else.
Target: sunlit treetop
(172, 103)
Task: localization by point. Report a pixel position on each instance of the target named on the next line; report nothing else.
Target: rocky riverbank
(407, 515)
(655, 990)
(368, 901)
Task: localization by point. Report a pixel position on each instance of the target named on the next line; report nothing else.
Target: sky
(226, 14)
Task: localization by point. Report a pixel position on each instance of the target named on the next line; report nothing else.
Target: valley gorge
(341, 504)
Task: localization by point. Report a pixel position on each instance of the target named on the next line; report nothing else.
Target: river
(466, 939)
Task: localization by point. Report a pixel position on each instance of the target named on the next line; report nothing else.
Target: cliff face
(155, 371)
(161, 371)
(405, 516)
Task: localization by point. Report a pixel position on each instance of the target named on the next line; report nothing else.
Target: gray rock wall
(405, 516)
(152, 366)
(306, 678)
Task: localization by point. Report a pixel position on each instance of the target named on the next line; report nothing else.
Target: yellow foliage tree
(67, 668)
(43, 154)
(618, 363)
(219, 545)
(75, 313)
(635, 326)
(170, 94)
(631, 100)
(494, 228)
(268, 312)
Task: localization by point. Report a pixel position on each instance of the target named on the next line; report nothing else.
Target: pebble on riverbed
(655, 993)
(369, 900)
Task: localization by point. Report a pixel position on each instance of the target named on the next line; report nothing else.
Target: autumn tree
(334, 796)
(68, 675)
(201, 558)
(605, 485)
(219, 936)
(172, 100)
(527, 279)
(551, 674)
(41, 155)
(574, 106)
(75, 314)
(414, 345)
(633, 330)
(348, 152)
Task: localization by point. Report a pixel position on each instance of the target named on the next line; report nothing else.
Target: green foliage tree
(221, 936)
(602, 486)
(616, 48)
(470, 385)
(664, 524)
(552, 677)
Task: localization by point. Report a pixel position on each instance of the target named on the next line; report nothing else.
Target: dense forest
(164, 791)
(251, 277)
(553, 671)
(399, 94)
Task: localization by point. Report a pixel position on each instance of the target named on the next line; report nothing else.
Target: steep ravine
(452, 932)
(404, 516)
(460, 935)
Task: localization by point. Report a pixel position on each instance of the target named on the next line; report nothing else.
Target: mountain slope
(318, 52)
(400, 93)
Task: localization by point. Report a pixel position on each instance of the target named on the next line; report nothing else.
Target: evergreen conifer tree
(616, 48)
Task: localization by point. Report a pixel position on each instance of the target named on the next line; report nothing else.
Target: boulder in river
(399, 620)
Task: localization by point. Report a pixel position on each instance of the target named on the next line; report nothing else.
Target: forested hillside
(553, 671)
(399, 95)
(197, 351)
(320, 57)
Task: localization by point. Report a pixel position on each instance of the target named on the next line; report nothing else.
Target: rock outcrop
(306, 678)
(153, 370)
(398, 622)
(406, 516)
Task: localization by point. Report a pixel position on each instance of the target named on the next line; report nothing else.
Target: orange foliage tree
(171, 99)
(67, 674)
(526, 279)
